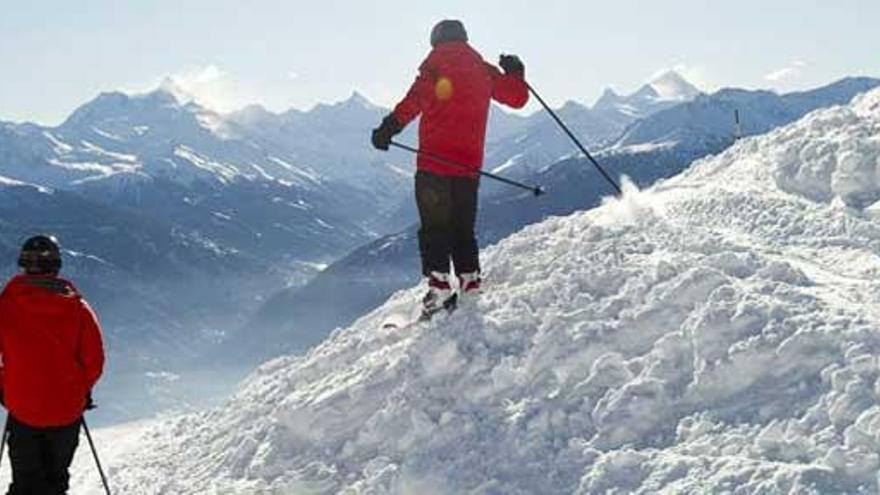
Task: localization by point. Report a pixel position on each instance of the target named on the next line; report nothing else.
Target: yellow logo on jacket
(443, 89)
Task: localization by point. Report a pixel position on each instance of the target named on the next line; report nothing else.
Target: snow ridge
(717, 332)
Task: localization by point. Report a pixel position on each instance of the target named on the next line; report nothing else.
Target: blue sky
(55, 55)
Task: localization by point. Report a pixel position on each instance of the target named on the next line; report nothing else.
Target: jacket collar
(48, 283)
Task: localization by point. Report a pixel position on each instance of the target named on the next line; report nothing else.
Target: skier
(52, 356)
(452, 92)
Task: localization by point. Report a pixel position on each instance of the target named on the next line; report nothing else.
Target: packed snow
(6, 181)
(88, 167)
(511, 162)
(94, 148)
(107, 135)
(717, 333)
(224, 172)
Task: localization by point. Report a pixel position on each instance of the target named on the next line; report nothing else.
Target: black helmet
(448, 30)
(40, 255)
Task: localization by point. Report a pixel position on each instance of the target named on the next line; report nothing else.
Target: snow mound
(831, 154)
(716, 333)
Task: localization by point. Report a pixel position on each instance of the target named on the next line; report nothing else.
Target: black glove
(382, 135)
(90, 403)
(512, 65)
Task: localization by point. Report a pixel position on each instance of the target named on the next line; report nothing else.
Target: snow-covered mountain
(538, 142)
(708, 120)
(715, 333)
(119, 139)
(176, 161)
(661, 92)
(670, 85)
(297, 318)
(336, 137)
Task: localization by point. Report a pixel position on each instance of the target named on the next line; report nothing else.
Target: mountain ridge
(162, 170)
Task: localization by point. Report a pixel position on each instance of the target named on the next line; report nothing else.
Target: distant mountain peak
(665, 88)
(571, 105)
(609, 98)
(254, 115)
(254, 110)
(670, 85)
(357, 97)
(359, 100)
(105, 103)
(610, 93)
(172, 88)
(647, 92)
(109, 97)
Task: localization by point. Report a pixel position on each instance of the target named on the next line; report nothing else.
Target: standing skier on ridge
(452, 92)
(52, 356)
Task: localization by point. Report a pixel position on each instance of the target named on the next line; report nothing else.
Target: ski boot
(469, 283)
(439, 296)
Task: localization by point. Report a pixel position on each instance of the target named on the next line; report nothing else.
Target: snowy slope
(716, 333)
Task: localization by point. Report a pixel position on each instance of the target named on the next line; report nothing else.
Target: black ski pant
(40, 458)
(448, 212)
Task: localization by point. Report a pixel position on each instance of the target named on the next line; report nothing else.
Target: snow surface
(717, 333)
(7, 182)
(511, 162)
(60, 147)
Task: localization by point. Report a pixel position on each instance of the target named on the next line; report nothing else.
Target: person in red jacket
(452, 93)
(52, 355)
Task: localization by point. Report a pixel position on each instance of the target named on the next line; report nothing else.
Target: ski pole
(95, 455)
(575, 139)
(536, 190)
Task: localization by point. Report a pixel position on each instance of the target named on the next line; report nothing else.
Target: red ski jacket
(452, 93)
(51, 350)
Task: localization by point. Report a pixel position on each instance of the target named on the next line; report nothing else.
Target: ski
(449, 306)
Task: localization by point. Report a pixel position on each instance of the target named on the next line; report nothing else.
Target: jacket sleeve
(91, 346)
(418, 96)
(508, 89)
